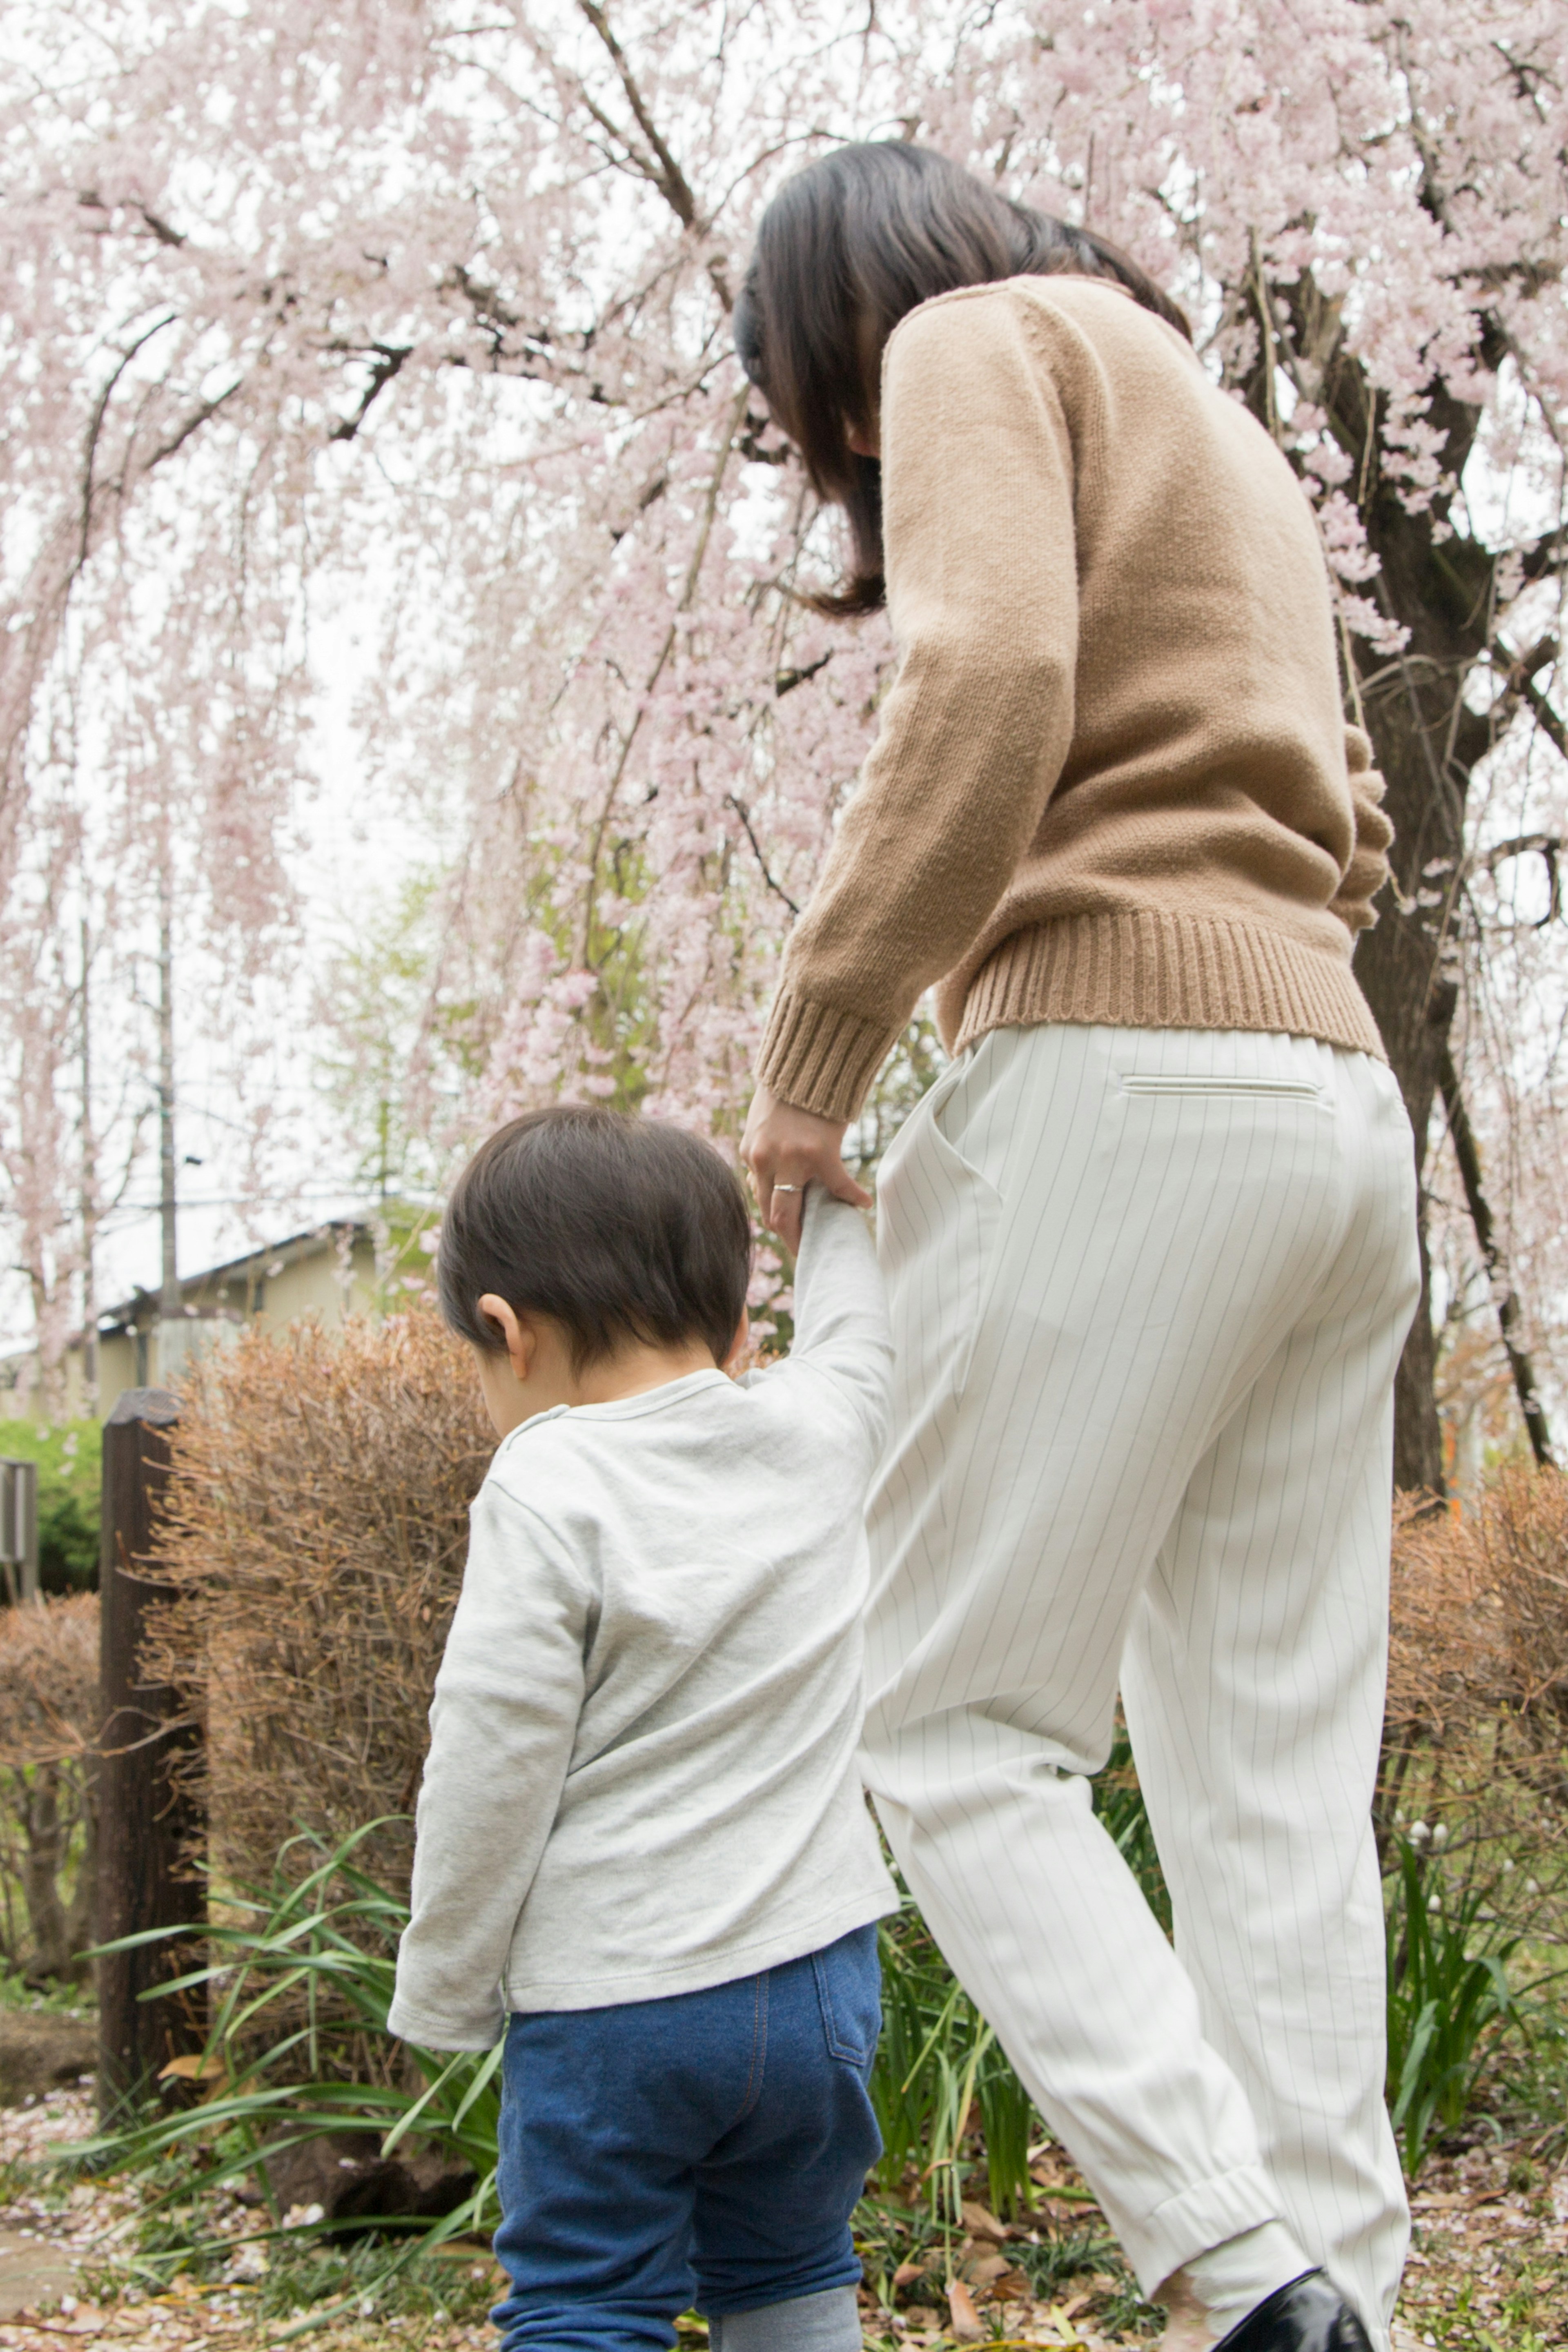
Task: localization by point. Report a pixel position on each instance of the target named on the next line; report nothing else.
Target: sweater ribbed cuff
(819, 1059)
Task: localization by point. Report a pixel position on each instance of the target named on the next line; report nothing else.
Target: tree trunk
(1399, 964)
(1425, 741)
(1439, 586)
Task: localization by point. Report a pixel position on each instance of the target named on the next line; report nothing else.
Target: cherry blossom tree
(421, 310)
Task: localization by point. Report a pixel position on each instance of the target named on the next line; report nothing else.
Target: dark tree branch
(1468, 1154)
(788, 680)
(160, 230)
(1546, 554)
(666, 175)
(95, 428)
(193, 422)
(1545, 717)
(387, 365)
(1519, 672)
(1548, 848)
(776, 887)
(91, 201)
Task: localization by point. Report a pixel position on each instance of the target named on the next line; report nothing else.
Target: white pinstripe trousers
(1149, 1288)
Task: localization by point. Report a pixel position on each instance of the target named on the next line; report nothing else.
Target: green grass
(300, 1988)
(1448, 1988)
(55, 2000)
(939, 2064)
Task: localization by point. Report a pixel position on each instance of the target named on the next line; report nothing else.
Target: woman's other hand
(786, 1149)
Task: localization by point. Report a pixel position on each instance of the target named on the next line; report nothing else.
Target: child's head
(620, 1232)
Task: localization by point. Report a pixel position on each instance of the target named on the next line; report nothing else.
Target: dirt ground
(1488, 2272)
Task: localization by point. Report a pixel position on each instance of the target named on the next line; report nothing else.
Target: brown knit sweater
(1111, 782)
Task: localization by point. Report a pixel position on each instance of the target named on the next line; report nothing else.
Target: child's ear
(516, 1338)
(738, 1346)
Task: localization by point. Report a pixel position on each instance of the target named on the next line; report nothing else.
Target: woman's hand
(786, 1149)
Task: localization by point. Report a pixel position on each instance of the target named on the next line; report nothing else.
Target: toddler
(642, 1842)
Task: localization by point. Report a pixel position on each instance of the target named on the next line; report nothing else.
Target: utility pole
(169, 1301)
(88, 1193)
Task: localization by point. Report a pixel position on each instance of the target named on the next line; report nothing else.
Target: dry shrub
(1478, 1684)
(1480, 1616)
(49, 1716)
(314, 1547)
(1443, 1654)
(1521, 1533)
(49, 1705)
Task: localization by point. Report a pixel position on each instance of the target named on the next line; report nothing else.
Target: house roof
(271, 1259)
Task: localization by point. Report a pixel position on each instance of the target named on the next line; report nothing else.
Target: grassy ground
(1488, 2270)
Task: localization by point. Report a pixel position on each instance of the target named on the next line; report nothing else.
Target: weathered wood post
(146, 1822)
(19, 1529)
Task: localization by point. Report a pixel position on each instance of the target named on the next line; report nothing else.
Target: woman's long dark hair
(845, 250)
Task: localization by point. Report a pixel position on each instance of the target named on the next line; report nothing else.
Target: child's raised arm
(841, 1309)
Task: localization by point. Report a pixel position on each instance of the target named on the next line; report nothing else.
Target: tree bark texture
(1439, 586)
(1427, 739)
(148, 1824)
(1467, 1151)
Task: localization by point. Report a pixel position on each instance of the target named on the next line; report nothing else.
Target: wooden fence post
(146, 1822)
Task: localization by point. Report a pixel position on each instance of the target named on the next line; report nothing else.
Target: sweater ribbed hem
(1148, 970)
(820, 1058)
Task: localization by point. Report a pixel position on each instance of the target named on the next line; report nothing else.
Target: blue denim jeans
(708, 2149)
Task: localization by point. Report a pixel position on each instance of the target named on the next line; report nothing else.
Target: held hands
(786, 1149)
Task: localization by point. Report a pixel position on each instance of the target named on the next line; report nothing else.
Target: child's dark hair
(617, 1228)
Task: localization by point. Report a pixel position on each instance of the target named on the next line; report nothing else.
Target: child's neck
(632, 1371)
(553, 1381)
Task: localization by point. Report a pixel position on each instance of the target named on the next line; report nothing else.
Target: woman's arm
(982, 591)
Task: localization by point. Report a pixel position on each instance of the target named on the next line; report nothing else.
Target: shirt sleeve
(502, 1727)
(841, 1325)
(982, 568)
(1367, 872)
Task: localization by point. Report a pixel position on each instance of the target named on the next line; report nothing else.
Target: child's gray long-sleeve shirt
(642, 1771)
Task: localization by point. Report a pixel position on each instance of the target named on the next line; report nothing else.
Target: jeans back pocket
(849, 1994)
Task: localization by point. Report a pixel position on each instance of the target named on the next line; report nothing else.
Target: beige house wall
(324, 1276)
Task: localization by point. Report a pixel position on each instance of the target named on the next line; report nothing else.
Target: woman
(1150, 1240)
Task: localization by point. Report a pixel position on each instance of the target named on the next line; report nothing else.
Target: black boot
(1310, 2314)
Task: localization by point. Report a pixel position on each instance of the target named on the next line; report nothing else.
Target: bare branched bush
(314, 1545)
(1522, 1536)
(1478, 1697)
(49, 1716)
(1480, 1616)
(1445, 1659)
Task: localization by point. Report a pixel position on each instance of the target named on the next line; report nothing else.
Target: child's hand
(786, 1149)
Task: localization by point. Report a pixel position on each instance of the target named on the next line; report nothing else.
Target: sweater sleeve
(502, 1729)
(1367, 871)
(977, 486)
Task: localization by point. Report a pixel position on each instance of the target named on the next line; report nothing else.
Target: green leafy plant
(940, 2068)
(299, 1977)
(300, 1982)
(1119, 1804)
(69, 1456)
(1447, 1984)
